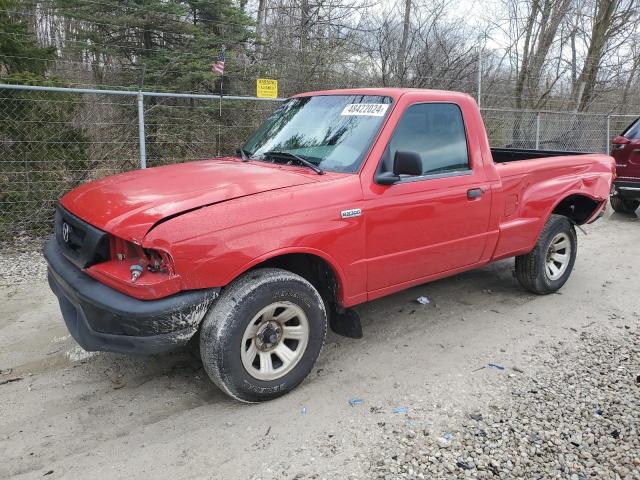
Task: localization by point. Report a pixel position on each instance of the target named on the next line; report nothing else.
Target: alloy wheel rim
(274, 341)
(558, 256)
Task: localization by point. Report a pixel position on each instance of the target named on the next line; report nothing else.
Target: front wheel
(262, 337)
(548, 266)
(624, 205)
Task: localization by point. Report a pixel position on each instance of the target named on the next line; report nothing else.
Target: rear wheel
(624, 205)
(262, 337)
(548, 266)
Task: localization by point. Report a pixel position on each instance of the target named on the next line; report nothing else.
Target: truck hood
(130, 204)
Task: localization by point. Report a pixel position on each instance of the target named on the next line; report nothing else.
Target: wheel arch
(313, 265)
(577, 207)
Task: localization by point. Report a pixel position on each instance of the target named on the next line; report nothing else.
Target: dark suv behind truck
(625, 197)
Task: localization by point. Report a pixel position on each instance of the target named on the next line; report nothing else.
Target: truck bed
(506, 155)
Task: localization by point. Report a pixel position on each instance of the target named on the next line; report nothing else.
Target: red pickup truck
(340, 197)
(625, 197)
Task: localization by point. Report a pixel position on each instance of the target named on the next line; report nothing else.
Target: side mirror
(407, 163)
(404, 163)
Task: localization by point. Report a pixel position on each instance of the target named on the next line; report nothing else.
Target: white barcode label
(366, 109)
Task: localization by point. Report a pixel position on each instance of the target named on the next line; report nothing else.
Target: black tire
(624, 205)
(531, 269)
(221, 335)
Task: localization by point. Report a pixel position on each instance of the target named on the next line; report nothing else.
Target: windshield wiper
(297, 158)
(244, 155)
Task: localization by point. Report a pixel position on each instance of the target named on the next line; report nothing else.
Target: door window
(436, 132)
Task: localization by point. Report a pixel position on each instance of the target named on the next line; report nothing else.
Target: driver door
(425, 225)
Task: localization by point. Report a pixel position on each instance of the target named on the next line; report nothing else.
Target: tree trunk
(262, 6)
(553, 13)
(402, 52)
(524, 66)
(600, 32)
(624, 103)
(304, 24)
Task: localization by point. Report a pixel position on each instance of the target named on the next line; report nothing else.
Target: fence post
(608, 139)
(141, 138)
(537, 130)
(479, 74)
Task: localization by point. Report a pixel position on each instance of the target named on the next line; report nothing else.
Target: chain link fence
(544, 130)
(52, 140)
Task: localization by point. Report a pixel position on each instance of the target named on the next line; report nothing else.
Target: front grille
(82, 244)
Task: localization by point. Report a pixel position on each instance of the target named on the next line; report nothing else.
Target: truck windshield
(333, 132)
(633, 131)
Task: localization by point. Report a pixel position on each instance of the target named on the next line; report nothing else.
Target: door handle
(474, 193)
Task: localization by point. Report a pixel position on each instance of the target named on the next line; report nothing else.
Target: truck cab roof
(395, 93)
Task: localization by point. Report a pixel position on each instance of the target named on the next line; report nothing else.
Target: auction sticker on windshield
(367, 109)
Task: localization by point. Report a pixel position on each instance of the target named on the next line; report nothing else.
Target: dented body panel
(532, 189)
(218, 218)
(130, 204)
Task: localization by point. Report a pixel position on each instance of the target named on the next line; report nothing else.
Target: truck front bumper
(101, 318)
(627, 189)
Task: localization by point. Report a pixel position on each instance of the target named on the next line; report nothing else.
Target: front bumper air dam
(100, 318)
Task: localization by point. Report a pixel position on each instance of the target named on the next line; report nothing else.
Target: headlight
(141, 260)
(143, 273)
(159, 261)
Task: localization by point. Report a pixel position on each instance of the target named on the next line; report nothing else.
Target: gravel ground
(577, 418)
(21, 262)
(67, 413)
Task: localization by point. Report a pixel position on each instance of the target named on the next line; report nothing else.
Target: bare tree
(611, 20)
(631, 80)
(535, 24)
(567, 54)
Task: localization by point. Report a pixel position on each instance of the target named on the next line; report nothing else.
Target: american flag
(217, 67)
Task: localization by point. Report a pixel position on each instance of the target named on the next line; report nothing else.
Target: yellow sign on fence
(266, 88)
